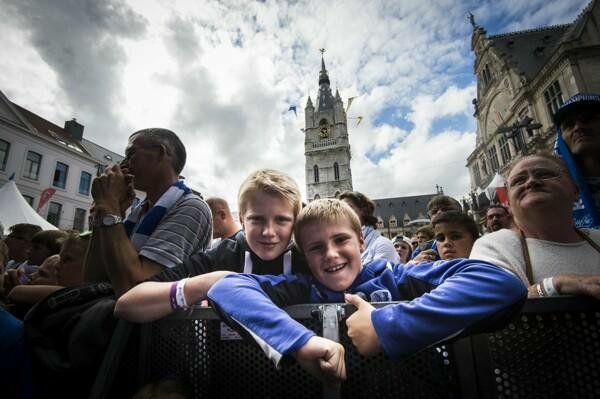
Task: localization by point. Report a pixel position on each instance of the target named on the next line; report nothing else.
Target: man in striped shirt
(166, 228)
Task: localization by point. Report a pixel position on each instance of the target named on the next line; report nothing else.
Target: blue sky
(223, 75)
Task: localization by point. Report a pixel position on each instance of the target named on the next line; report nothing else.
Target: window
(4, 147)
(393, 222)
(493, 156)
(486, 74)
(84, 183)
(337, 194)
(32, 165)
(476, 174)
(504, 150)
(60, 175)
(29, 199)
(79, 219)
(553, 97)
(54, 211)
(316, 173)
(336, 171)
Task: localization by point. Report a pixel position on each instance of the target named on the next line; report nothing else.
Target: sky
(223, 74)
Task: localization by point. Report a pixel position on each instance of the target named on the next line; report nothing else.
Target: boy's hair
(270, 182)
(323, 211)
(82, 240)
(427, 230)
(51, 239)
(459, 218)
(443, 201)
(365, 204)
(25, 230)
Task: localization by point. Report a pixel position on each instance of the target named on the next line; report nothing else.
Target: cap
(575, 102)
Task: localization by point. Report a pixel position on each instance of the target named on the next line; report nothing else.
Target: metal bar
(331, 330)
(484, 365)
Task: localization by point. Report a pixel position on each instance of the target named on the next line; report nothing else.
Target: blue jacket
(446, 299)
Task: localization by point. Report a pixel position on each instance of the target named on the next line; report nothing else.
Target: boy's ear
(361, 242)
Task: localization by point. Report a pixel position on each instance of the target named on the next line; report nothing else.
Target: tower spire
(323, 76)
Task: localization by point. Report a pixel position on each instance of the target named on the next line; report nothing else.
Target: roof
(103, 155)
(415, 206)
(51, 131)
(529, 50)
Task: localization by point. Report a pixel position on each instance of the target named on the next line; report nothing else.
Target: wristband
(540, 290)
(173, 296)
(549, 287)
(179, 296)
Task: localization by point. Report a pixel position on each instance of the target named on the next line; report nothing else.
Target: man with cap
(578, 143)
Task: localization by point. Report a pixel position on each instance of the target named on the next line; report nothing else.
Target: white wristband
(549, 287)
(179, 296)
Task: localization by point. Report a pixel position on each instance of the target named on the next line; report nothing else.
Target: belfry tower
(326, 144)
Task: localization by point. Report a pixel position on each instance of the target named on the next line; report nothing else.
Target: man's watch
(109, 220)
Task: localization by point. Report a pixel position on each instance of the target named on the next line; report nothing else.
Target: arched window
(317, 196)
(316, 173)
(336, 171)
(337, 194)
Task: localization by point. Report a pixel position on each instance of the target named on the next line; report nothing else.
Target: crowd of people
(174, 251)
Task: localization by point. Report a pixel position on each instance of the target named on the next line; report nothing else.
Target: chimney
(75, 129)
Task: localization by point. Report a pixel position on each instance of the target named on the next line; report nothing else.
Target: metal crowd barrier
(550, 350)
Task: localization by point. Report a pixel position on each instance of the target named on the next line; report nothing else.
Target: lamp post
(515, 132)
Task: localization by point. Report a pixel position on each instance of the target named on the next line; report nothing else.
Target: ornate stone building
(326, 145)
(522, 79)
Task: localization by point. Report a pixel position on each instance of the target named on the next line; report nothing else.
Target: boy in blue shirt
(446, 298)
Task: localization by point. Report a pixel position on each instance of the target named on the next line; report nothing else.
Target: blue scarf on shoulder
(585, 212)
(151, 219)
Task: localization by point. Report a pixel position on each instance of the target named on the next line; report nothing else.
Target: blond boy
(455, 297)
(269, 202)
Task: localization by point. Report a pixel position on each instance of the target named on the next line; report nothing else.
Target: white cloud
(223, 74)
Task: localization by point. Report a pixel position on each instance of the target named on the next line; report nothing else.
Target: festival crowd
(61, 292)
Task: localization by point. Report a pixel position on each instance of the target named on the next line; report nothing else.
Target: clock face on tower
(324, 132)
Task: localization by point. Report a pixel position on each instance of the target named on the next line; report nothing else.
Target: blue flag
(293, 108)
(585, 212)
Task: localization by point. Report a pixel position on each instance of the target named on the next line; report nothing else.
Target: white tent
(497, 182)
(14, 209)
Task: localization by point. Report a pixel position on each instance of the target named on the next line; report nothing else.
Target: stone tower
(326, 145)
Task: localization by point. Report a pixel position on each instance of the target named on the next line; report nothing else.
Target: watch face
(109, 220)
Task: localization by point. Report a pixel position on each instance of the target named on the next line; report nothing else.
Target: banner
(46, 195)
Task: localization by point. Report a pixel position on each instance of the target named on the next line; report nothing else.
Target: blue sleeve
(252, 305)
(451, 299)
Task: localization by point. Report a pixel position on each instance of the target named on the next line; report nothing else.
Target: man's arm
(252, 305)
(151, 300)
(111, 253)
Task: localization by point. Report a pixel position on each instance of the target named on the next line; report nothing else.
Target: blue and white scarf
(369, 235)
(585, 213)
(151, 219)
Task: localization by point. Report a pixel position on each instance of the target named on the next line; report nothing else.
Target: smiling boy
(455, 298)
(269, 202)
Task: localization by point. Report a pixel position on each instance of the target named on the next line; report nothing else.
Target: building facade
(40, 155)
(401, 215)
(522, 79)
(326, 144)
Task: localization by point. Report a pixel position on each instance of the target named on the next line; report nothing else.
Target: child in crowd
(455, 233)
(269, 202)
(57, 272)
(447, 298)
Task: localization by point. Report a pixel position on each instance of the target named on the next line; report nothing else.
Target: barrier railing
(550, 350)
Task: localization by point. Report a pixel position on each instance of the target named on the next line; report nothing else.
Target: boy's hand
(360, 328)
(324, 359)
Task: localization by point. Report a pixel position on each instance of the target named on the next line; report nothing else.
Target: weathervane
(322, 50)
